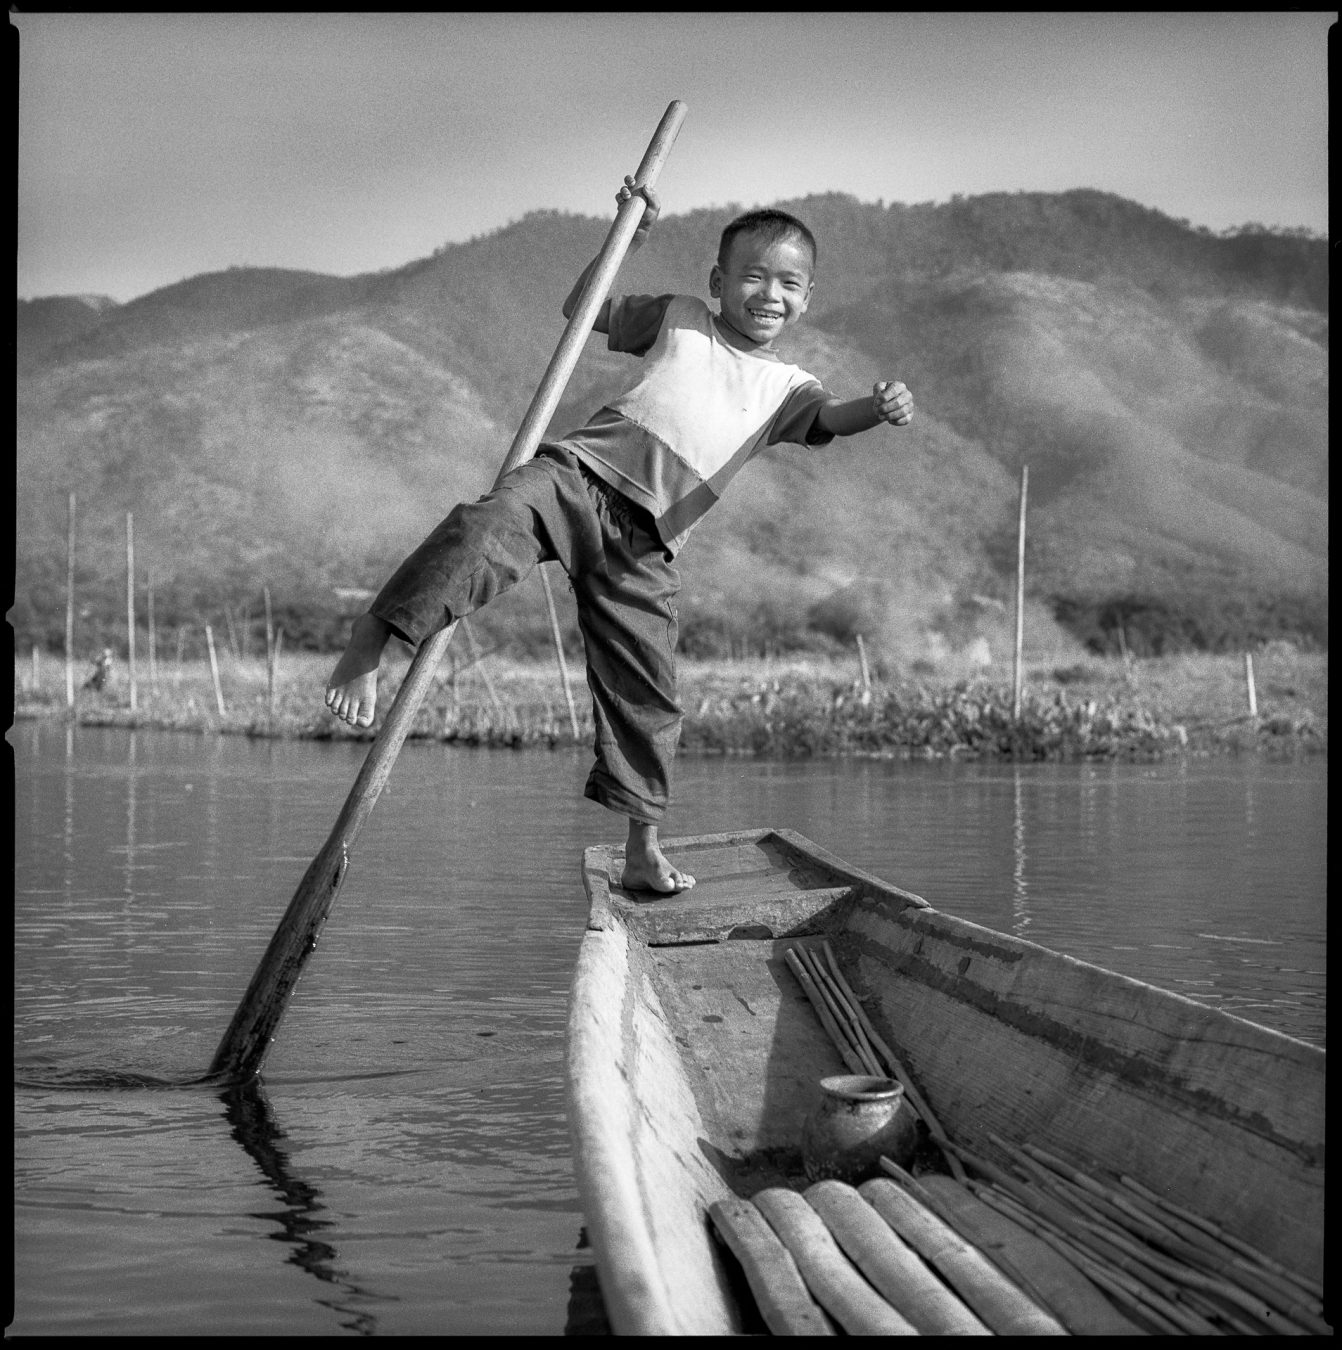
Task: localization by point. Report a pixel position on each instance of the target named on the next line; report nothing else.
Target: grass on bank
(780, 708)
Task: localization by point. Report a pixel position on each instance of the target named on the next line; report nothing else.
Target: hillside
(1167, 389)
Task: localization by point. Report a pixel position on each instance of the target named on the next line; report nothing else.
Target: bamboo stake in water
(1248, 681)
(270, 658)
(70, 604)
(246, 1042)
(559, 650)
(274, 677)
(1020, 594)
(214, 670)
(130, 605)
(866, 670)
(153, 637)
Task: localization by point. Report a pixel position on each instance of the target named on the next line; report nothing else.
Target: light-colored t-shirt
(701, 409)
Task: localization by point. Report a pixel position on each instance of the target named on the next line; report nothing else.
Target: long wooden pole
(246, 1042)
(1020, 594)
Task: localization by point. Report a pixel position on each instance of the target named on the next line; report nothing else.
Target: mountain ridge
(1166, 387)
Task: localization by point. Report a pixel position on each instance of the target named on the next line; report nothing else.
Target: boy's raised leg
(351, 692)
(645, 865)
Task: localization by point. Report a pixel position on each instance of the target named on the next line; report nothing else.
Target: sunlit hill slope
(1167, 389)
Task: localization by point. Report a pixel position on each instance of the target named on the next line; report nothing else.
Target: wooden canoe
(694, 1058)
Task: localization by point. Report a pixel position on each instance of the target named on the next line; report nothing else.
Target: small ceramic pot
(856, 1121)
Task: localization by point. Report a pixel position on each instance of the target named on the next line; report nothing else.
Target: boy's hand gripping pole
(247, 1041)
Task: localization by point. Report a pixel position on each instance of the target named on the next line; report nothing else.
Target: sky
(155, 147)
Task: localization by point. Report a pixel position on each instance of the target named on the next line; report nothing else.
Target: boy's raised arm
(650, 214)
(890, 401)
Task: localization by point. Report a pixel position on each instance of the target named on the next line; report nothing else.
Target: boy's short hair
(773, 224)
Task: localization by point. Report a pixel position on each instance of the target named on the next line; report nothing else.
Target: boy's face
(765, 286)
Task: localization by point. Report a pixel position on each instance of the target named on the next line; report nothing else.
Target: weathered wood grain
(893, 1267)
(780, 1292)
(829, 1275)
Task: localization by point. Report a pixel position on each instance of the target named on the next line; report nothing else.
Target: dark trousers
(552, 510)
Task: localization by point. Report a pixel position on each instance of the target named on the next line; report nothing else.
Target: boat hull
(694, 1058)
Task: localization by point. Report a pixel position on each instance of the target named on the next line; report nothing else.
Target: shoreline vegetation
(1092, 708)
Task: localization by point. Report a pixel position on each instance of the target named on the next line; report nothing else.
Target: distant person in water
(614, 501)
(100, 675)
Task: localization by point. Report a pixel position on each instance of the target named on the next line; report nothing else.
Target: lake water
(404, 1169)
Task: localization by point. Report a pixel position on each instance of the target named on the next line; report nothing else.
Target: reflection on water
(1020, 916)
(1149, 870)
(248, 1111)
(410, 1137)
(418, 1074)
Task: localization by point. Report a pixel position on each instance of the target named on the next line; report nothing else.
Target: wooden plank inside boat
(758, 884)
(752, 1049)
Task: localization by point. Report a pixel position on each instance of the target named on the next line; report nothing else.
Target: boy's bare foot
(645, 865)
(351, 692)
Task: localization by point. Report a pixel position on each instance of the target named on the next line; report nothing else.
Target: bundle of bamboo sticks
(1169, 1268)
(858, 1044)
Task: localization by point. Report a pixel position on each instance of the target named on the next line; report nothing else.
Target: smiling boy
(614, 502)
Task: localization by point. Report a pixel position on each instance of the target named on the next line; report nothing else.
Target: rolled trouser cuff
(406, 624)
(615, 796)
